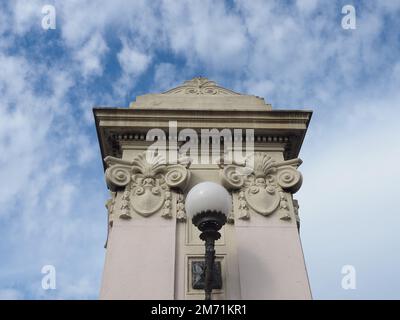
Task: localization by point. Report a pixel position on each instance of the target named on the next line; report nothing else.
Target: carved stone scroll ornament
(261, 187)
(200, 86)
(146, 183)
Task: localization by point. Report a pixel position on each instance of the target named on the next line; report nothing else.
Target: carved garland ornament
(180, 208)
(146, 183)
(110, 204)
(262, 187)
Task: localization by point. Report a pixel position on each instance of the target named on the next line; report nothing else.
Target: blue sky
(104, 53)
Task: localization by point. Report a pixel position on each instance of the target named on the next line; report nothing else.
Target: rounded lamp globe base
(209, 223)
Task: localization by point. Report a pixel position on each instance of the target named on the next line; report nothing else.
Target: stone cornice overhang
(114, 124)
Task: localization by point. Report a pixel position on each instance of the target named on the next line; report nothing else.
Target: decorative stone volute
(261, 184)
(146, 184)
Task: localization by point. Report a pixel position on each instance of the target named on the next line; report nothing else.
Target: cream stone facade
(152, 250)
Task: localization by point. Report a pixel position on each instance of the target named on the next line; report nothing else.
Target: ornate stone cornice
(261, 186)
(200, 86)
(269, 127)
(146, 184)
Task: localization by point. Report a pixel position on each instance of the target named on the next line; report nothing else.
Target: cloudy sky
(294, 53)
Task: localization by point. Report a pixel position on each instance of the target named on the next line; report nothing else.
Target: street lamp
(208, 204)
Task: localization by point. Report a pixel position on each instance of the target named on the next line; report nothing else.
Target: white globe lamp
(208, 205)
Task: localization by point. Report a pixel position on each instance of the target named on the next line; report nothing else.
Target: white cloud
(26, 15)
(42, 144)
(82, 19)
(132, 61)
(90, 55)
(166, 77)
(10, 294)
(350, 158)
(205, 31)
(307, 6)
(293, 58)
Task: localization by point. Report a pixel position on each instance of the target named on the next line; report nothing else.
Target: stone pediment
(200, 86)
(200, 94)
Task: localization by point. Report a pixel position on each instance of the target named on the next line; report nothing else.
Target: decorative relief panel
(146, 184)
(200, 86)
(198, 275)
(262, 187)
(195, 276)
